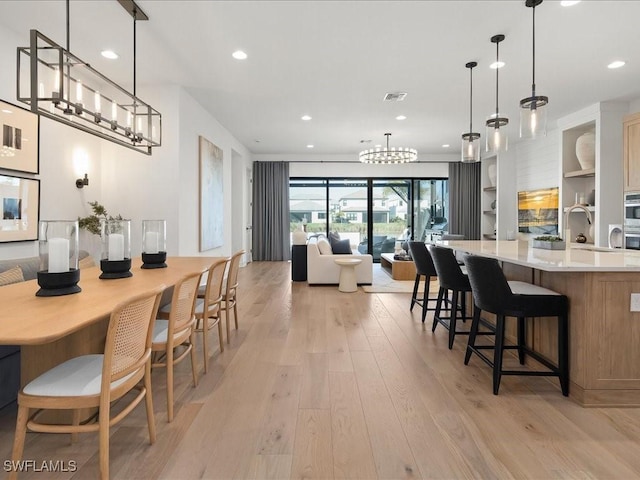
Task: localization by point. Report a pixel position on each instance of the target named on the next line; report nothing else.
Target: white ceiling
(334, 60)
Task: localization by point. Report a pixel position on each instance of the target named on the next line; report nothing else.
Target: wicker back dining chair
(208, 309)
(96, 380)
(177, 331)
(230, 295)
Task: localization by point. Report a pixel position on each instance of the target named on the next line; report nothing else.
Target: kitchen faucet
(565, 224)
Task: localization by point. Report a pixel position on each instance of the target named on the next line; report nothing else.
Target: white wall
(137, 186)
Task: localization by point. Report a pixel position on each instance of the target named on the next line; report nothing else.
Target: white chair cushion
(524, 288)
(160, 331)
(199, 306)
(77, 377)
(202, 290)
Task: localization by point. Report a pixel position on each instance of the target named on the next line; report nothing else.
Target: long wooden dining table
(51, 330)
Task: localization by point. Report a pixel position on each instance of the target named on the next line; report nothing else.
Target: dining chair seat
(80, 376)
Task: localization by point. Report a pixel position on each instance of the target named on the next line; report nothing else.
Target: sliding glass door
(376, 215)
(430, 208)
(391, 215)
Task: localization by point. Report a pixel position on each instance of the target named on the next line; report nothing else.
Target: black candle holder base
(154, 260)
(57, 284)
(115, 269)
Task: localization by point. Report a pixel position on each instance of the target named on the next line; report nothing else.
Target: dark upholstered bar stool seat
(424, 268)
(451, 277)
(492, 293)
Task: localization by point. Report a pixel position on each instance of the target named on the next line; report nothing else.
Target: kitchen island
(604, 334)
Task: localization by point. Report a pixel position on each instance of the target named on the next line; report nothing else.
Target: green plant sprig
(91, 223)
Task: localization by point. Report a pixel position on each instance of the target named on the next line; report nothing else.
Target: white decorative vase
(586, 150)
(491, 173)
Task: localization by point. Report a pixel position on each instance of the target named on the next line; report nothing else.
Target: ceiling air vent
(394, 97)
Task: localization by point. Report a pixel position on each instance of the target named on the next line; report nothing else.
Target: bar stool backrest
(491, 292)
(422, 259)
(450, 275)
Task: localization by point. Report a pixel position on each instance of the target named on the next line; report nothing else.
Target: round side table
(348, 282)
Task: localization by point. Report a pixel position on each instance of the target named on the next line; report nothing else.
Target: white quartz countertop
(576, 257)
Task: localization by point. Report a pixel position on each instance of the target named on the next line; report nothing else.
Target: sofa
(322, 270)
(10, 354)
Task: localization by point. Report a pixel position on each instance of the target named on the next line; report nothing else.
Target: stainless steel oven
(632, 238)
(632, 209)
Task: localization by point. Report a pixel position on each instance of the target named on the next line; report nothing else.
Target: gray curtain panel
(271, 211)
(464, 199)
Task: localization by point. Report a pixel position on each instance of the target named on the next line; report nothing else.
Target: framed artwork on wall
(211, 197)
(538, 211)
(19, 135)
(20, 208)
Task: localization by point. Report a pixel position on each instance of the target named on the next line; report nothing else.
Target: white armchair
(322, 270)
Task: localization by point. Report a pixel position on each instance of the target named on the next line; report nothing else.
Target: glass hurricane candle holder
(115, 260)
(58, 248)
(154, 244)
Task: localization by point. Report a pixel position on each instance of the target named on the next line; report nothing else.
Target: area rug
(383, 283)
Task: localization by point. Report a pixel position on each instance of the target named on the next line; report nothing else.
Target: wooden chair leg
(148, 402)
(235, 312)
(497, 354)
(205, 342)
(220, 339)
(103, 434)
(169, 363)
(227, 320)
(18, 440)
(75, 421)
(193, 360)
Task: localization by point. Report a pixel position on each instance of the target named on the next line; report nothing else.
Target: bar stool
(451, 277)
(492, 293)
(424, 267)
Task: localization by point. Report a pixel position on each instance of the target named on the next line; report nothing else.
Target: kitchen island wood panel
(604, 335)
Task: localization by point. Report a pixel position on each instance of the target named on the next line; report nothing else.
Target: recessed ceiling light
(306, 118)
(110, 54)
(445, 145)
(309, 146)
(495, 65)
(239, 55)
(569, 3)
(616, 64)
(401, 117)
(4, 110)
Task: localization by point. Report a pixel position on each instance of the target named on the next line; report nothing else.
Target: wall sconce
(81, 182)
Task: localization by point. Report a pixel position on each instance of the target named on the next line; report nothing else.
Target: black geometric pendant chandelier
(58, 85)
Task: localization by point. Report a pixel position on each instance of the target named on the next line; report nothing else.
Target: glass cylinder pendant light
(533, 114)
(496, 139)
(471, 140)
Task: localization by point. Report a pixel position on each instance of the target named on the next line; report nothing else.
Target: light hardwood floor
(322, 384)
